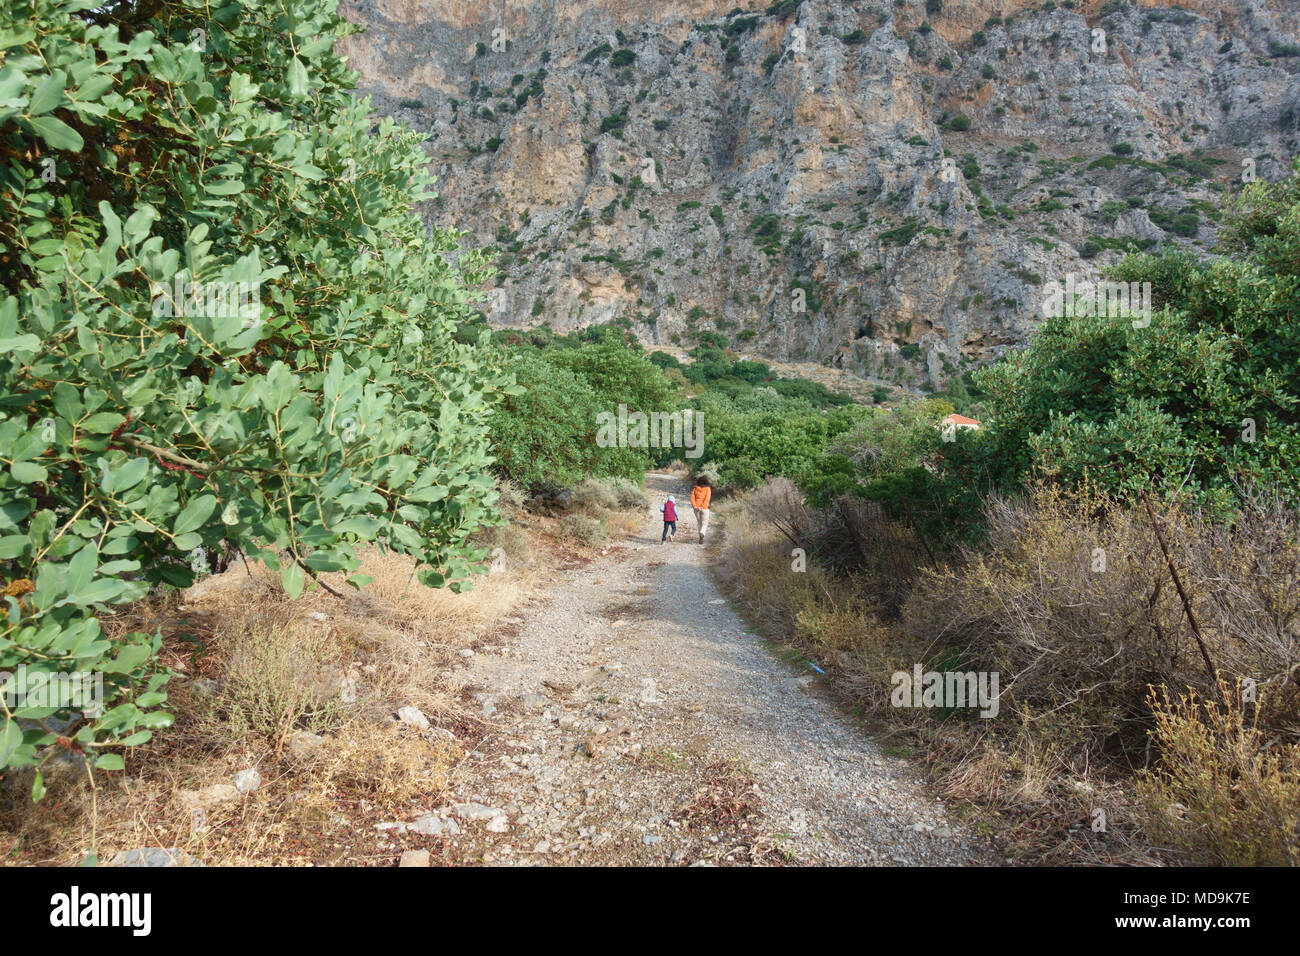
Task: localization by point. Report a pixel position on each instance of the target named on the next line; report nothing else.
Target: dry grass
(1222, 795)
(255, 672)
(253, 668)
(1072, 604)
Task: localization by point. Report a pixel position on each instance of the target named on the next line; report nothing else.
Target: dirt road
(636, 720)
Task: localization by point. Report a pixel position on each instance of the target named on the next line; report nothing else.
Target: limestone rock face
(866, 185)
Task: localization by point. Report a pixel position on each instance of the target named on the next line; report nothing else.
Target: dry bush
(593, 496)
(1072, 602)
(586, 531)
(510, 496)
(628, 493)
(252, 667)
(799, 602)
(859, 537)
(1221, 795)
(598, 495)
(389, 764)
(279, 678)
(512, 542)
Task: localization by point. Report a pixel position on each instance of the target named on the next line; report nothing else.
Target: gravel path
(636, 720)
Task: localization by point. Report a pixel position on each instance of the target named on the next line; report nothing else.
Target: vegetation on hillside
(1119, 543)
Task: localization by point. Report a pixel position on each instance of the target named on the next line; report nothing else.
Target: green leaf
(56, 133)
(27, 472)
(292, 579)
(10, 740)
(48, 94)
(110, 762)
(297, 77)
(195, 514)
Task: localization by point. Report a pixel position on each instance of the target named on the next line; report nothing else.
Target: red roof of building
(955, 419)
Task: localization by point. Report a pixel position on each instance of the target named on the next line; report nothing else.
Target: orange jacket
(700, 495)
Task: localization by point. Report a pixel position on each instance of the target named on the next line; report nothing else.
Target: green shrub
(156, 413)
(546, 436)
(1202, 397)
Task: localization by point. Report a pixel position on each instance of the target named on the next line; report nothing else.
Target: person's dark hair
(701, 482)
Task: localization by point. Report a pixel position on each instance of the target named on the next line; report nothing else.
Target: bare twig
(1182, 594)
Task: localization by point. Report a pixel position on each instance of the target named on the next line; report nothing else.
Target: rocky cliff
(880, 186)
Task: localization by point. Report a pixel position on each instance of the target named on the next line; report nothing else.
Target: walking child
(669, 508)
(700, 496)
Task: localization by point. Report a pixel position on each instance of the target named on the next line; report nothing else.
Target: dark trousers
(667, 525)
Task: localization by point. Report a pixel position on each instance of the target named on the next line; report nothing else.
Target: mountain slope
(867, 185)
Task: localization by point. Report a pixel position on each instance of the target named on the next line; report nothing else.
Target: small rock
(532, 702)
(475, 811)
(649, 693)
(498, 824)
(317, 616)
(650, 839)
(246, 781)
(414, 717)
(466, 653)
(155, 856)
(567, 722)
(414, 858)
(428, 825)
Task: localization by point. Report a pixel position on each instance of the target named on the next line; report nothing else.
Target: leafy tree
(222, 326)
(1204, 396)
(618, 375)
(545, 436)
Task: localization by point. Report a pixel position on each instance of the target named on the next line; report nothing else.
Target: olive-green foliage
(1204, 397)
(154, 155)
(618, 375)
(785, 438)
(546, 436)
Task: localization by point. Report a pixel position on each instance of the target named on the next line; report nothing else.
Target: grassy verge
(307, 694)
(1112, 742)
